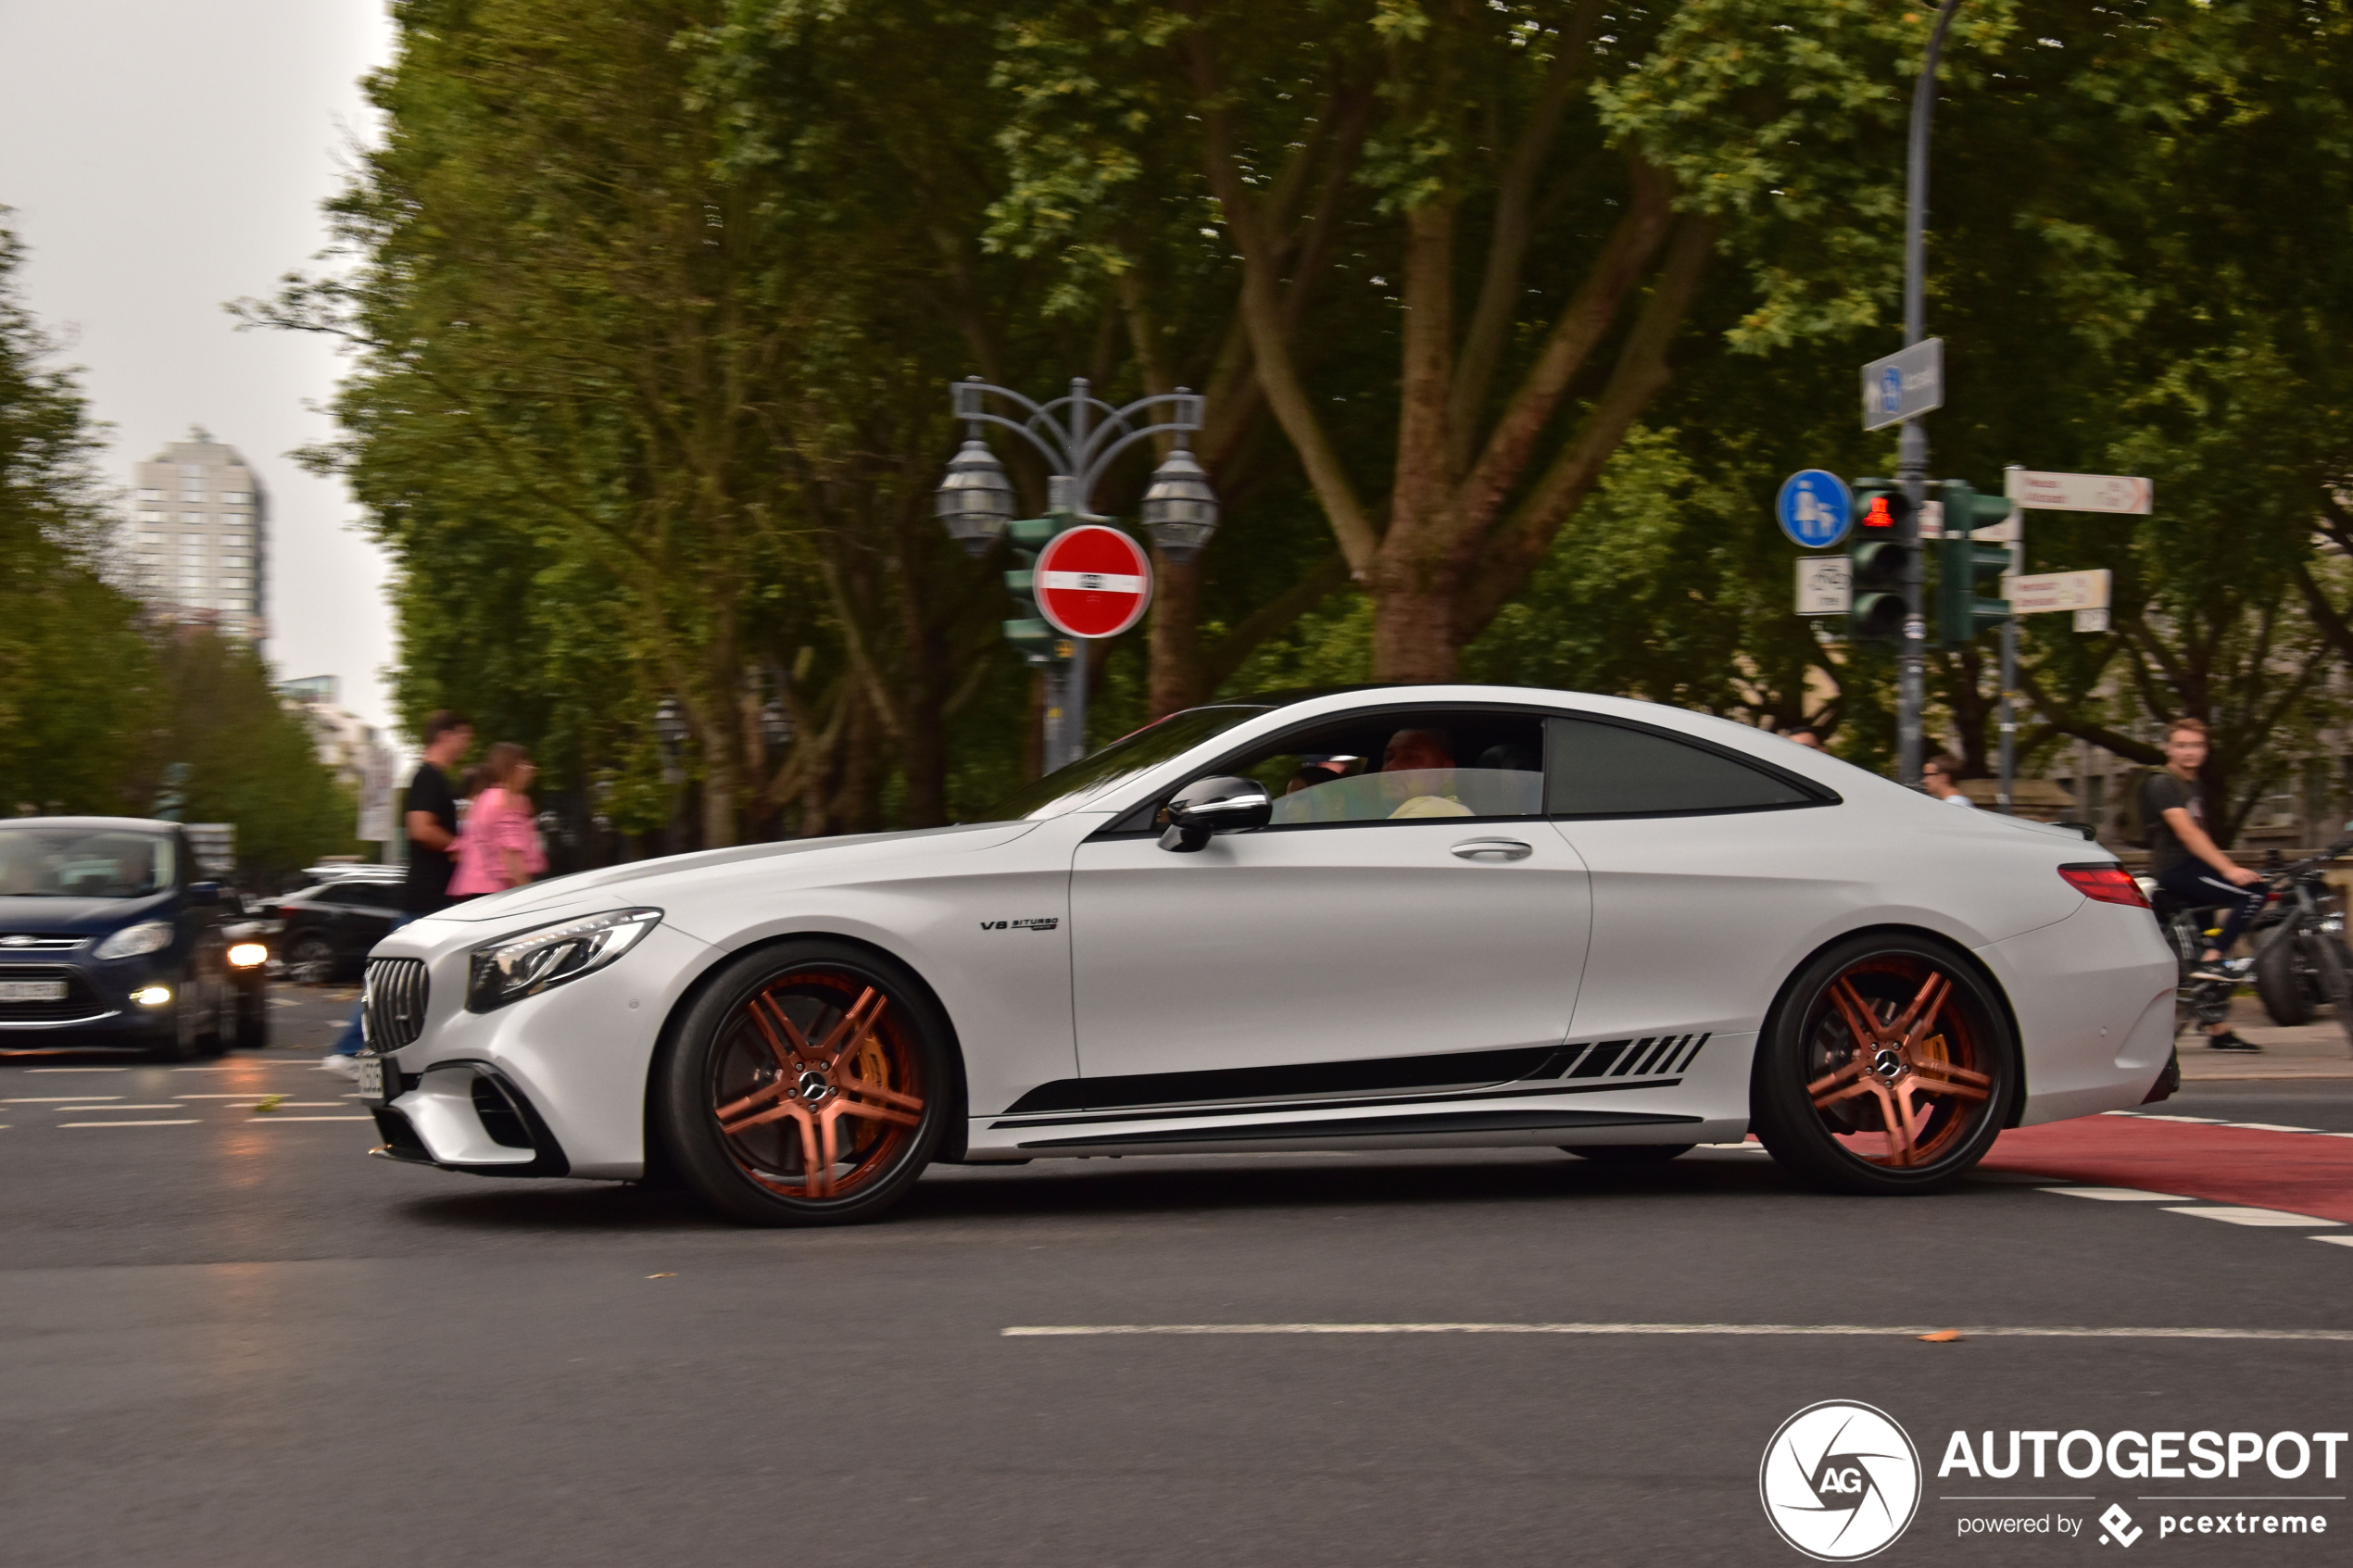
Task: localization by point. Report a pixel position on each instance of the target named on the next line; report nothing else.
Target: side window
(1404, 766)
(1597, 770)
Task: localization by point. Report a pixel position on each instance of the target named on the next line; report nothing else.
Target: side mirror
(204, 893)
(1212, 806)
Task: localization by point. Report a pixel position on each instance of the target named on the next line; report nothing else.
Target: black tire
(772, 1166)
(1630, 1153)
(310, 960)
(2285, 985)
(1825, 1079)
(186, 1043)
(253, 1018)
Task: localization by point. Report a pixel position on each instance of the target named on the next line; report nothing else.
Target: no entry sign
(1092, 582)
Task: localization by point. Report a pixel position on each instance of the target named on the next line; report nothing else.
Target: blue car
(108, 939)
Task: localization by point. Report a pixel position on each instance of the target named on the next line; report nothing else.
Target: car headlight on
(247, 954)
(148, 937)
(531, 961)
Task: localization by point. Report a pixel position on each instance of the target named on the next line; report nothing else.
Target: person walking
(429, 816)
(1938, 777)
(2187, 863)
(500, 847)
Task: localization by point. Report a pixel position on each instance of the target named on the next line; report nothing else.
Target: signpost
(1815, 509)
(2081, 492)
(1092, 582)
(1825, 585)
(2059, 590)
(1904, 386)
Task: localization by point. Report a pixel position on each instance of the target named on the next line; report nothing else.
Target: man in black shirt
(2188, 864)
(429, 813)
(429, 816)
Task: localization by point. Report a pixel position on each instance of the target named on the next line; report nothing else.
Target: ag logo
(1840, 1481)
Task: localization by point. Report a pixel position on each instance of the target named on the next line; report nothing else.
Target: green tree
(75, 674)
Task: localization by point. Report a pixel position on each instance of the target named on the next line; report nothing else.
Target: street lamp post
(669, 729)
(1911, 452)
(1079, 436)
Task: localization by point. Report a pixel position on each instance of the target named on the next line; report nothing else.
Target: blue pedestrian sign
(1815, 509)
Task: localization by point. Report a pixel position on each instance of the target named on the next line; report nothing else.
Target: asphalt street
(228, 1337)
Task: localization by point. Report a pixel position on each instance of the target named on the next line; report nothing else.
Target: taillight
(2108, 882)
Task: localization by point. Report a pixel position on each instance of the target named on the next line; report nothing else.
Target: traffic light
(1964, 566)
(1879, 547)
(1028, 632)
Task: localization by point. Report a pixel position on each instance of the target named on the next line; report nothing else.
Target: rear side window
(1597, 770)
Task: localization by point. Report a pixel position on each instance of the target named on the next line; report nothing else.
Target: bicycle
(2301, 959)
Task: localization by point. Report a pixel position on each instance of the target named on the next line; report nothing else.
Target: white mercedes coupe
(1405, 917)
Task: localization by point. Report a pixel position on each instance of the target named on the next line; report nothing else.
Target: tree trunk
(1175, 652)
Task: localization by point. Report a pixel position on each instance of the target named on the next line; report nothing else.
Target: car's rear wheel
(807, 1086)
(1888, 1067)
(1631, 1153)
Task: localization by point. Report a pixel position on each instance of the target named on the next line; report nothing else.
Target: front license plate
(372, 1078)
(32, 990)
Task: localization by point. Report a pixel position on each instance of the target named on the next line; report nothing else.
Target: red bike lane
(2302, 1172)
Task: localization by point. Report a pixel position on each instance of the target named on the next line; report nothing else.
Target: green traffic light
(1969, 573)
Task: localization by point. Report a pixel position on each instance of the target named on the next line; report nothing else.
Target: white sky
(164, 157)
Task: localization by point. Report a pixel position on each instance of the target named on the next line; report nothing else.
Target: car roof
(95, 824)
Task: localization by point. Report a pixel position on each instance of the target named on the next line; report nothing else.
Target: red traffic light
(1879, 516)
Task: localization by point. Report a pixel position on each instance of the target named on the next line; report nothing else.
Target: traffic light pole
(1911, 452)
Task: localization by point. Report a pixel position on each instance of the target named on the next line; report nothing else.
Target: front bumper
(97, 1004)
(551, 1085)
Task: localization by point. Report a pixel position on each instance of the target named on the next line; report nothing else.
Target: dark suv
(327, 930)
(108, 939)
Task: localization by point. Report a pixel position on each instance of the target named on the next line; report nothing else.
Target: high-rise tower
(198, 535)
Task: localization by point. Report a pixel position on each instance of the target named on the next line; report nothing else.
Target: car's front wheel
(807, 1086)
(1888, 1068)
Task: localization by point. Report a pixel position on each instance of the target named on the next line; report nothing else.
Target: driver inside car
(1417, 768)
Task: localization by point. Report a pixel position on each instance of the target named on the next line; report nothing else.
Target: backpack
(2133, 820)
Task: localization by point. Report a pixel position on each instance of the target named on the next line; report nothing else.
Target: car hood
(86, 916)
(802, 862)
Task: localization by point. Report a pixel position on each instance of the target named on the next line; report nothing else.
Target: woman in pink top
(500, 847)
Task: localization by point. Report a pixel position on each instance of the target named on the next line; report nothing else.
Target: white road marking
(69, 1110)
(2269, 1127)
(297, 1105)
(58, 1099)
(355, 1119)
(1737, 1330)
(249, 1094)
(2334, 1240)
(2117, 1195)
(189, 1122)
(77, 1070)
(2255, 1216)
(2152, 1116)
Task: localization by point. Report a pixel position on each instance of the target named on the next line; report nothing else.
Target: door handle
(1493, 849)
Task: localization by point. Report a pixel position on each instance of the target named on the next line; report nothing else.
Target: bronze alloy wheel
(809, 1085)
(1888, 1067)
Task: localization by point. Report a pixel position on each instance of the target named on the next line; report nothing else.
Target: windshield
(1065, 788)
(54, 862)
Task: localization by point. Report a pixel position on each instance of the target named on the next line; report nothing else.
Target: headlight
(148, 937)
(530, 961)
(247, 954)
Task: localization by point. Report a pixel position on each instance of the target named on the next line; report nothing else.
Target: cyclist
(2187, 863)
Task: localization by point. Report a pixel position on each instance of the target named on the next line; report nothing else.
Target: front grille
(21, 943)
(80, 1001)
(393, 1005)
